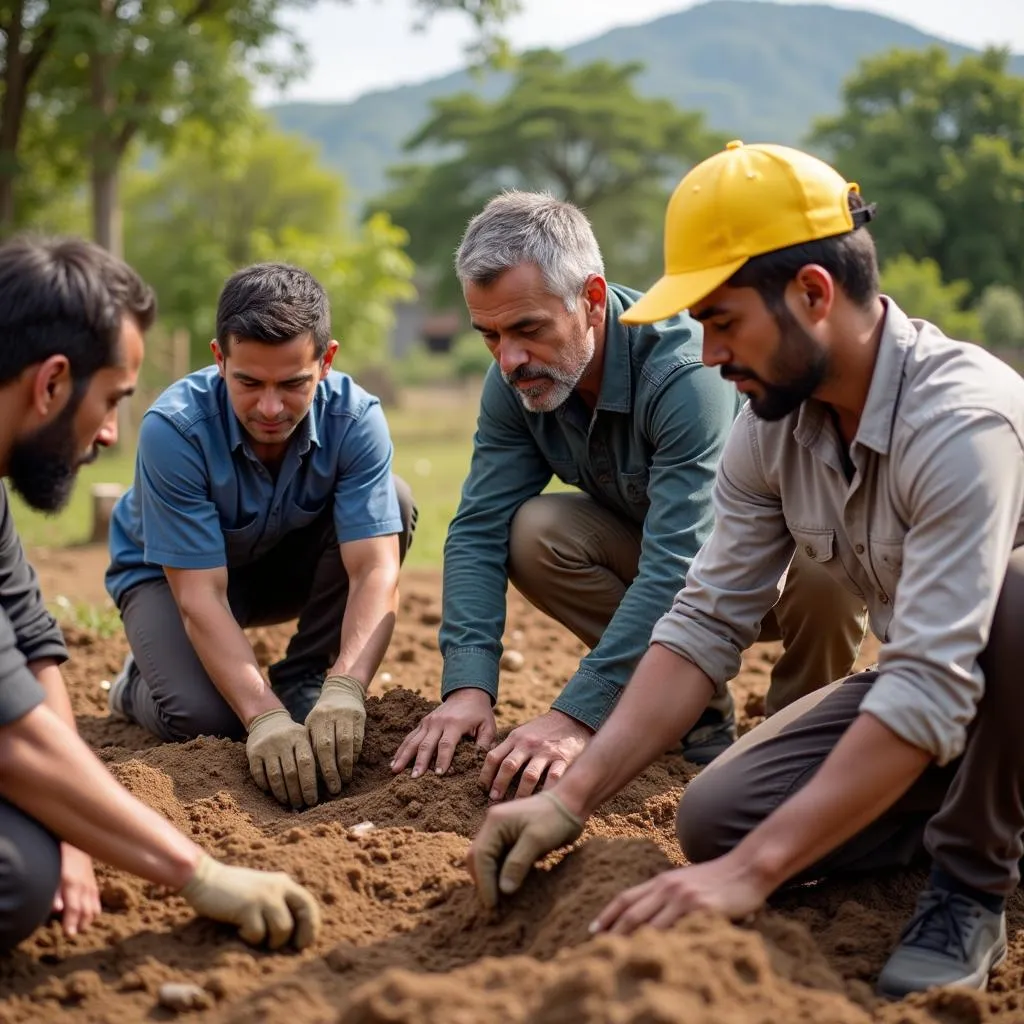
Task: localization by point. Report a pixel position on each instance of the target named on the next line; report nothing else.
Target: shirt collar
(616, 394)
(876, 421)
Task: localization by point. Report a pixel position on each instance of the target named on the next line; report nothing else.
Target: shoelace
(942, 923)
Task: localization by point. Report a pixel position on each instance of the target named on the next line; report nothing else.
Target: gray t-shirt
(28, 632)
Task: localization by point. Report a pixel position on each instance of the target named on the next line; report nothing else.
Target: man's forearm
(368, 624)
(50, 774)
(47, 672)
(228, 658)
(666, 695)
(864, 775)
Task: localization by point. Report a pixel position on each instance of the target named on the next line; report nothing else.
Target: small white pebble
(362, 828)
(385, 677)
(517, 635)
(180, 996)
(104, 684)
(512, 661)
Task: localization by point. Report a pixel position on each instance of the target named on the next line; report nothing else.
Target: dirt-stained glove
(336, 726)
(265, 905)
(525, 830)
(281, 759)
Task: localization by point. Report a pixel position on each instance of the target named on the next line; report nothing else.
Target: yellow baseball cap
(742, 202)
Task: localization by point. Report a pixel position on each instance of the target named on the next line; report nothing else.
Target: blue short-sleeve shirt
(201, 499)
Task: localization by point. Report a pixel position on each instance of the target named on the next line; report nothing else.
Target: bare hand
(78, 897)
(549, 744)
(465, 713)
(723, 885)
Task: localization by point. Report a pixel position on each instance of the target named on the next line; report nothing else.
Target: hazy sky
(370, 43)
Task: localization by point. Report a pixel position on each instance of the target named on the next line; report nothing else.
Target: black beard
(799, 366)
(42, 467)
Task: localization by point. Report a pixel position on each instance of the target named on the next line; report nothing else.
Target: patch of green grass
(100, 620)
(432, 433)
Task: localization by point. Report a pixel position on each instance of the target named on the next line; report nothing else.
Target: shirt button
(859, 549)
(884, 598)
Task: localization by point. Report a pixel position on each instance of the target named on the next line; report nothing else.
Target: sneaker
(950, 940)
(713, 733)
(115, 695)
(299, 695)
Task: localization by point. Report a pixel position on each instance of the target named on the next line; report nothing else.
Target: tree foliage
(102, 75)
(918, 287)
(1001, 317)
(258, 195)
(940, 147)
(582, 133)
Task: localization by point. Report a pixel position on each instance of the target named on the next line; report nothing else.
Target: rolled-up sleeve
(962, 492)
(735, 578)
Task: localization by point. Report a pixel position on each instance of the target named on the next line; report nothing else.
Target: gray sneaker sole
(977, 981)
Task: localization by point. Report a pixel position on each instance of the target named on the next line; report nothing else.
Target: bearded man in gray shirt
(894, 457)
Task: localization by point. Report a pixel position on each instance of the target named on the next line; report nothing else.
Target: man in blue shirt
(263, 491)
(630, 418)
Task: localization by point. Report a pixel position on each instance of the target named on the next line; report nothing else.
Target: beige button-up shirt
(922, 532)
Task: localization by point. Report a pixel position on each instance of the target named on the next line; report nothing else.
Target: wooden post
(104, 497)
(179, 354)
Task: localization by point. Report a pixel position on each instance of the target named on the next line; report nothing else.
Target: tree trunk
(107, 220)
(106, 198)
(11, 113)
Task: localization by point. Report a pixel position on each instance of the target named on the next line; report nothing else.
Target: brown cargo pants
(967, 815)
(573, 559)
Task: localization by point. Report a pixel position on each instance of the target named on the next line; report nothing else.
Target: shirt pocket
(818, 544)
(887, 565)
(240, 543)
(634, 486)
(300, 516)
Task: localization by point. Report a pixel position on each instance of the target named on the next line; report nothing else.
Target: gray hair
(530, 227)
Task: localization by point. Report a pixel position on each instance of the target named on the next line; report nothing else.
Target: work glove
(263, 904)
(281, 759)
(336, 726)
(513, 837)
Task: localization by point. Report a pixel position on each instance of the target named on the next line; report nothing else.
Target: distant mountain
(760, 71)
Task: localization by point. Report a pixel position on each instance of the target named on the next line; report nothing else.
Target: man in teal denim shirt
(633, 419)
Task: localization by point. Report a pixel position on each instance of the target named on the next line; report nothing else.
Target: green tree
(940, 147)
(1001, 317)
(582, 133)
(215, 205)
(120, 72)
(918, 287)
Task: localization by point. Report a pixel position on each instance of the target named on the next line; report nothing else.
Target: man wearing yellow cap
(893, 456)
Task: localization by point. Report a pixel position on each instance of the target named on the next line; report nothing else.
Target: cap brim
(675, 292)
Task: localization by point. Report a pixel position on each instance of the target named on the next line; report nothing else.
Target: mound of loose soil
(405, 939)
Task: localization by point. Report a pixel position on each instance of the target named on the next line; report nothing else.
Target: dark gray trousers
(29, 875)
(967, 815)
(169, 692)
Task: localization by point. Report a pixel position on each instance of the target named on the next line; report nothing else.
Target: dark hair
(273, 303)
(850, 258)
(66, 296)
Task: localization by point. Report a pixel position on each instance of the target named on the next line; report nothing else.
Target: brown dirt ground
(405, 939)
